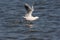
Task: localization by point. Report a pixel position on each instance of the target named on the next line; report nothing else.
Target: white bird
(28, 16)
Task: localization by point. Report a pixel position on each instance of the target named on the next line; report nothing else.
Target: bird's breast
(30, 18)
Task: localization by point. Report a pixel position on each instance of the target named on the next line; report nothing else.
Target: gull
(28, 16)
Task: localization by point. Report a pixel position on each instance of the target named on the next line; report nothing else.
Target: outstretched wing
(27, 7)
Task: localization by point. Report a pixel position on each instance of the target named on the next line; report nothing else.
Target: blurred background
(13, 26)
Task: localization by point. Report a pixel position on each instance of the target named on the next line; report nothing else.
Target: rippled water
(14, 27)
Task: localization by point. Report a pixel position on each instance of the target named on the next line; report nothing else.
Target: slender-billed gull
(28, 16)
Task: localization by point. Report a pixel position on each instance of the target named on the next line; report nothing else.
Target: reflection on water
(29, 25)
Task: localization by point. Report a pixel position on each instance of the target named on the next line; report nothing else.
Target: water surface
(13, 26)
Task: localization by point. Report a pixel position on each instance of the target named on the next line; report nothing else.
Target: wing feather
(27, 7)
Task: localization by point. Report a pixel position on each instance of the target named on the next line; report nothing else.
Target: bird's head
(37, 17)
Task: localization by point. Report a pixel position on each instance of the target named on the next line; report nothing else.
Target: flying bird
(28, 16)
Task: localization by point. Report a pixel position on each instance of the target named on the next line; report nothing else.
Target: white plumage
(28, 16)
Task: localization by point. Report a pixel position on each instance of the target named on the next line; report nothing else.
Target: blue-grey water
(13, 26)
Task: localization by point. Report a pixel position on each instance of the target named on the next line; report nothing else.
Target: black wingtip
(27, 7)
